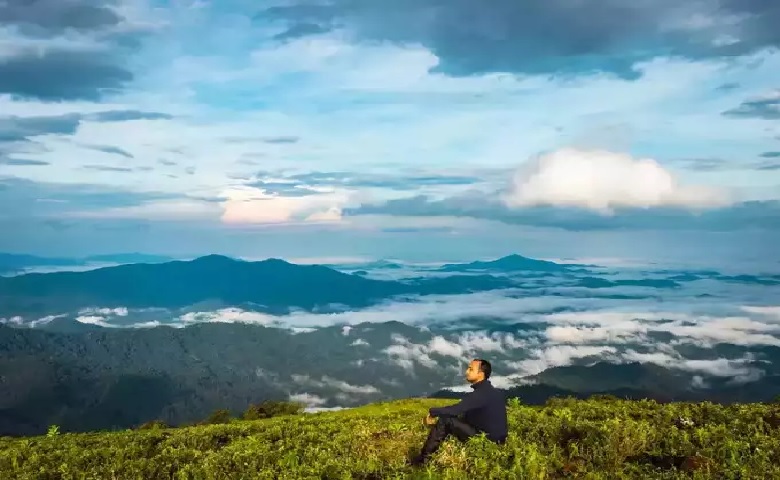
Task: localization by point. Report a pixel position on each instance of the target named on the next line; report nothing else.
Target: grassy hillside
(597, 438)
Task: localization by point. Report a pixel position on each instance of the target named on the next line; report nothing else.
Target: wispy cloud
(110, 149)
(766, 106)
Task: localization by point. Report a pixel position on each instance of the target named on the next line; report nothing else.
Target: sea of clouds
(545, 323)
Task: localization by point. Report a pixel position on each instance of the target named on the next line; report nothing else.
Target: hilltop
(600, 438)
(509, 263)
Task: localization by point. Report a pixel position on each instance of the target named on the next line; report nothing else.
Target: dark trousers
(441, 429)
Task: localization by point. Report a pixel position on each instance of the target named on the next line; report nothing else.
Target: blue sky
(413, 129)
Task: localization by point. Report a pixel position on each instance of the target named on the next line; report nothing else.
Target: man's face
(472, 373)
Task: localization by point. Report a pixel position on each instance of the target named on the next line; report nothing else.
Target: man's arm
(469, 402)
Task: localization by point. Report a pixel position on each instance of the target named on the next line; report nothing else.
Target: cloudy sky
(411, 129)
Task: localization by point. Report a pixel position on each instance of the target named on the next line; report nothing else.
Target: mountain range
(271, 285)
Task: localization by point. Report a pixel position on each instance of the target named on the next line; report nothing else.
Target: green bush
(593, 439)
(270, 409)
(218, 416)
(154, 424)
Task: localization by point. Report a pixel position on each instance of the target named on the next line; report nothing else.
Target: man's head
(478, 370)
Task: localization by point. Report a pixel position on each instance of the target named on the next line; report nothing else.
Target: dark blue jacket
(484, 409)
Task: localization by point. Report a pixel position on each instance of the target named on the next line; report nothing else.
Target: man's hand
(429, 420)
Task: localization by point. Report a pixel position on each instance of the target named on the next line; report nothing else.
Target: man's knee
(446, 422)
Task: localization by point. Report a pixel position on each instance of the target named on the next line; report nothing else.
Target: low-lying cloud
(627, 327)
(308, 399)
(406, 353)
(556, 356)
(227, 315)
(335, 384)
(739, 369)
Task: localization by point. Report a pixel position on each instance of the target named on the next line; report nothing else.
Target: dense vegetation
(107, 378)
(567, 438)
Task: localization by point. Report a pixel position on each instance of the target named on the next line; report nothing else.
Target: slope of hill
(597, 438)
(108, 378)
(101, 378)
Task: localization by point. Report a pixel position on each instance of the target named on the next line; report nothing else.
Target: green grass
(589, 439)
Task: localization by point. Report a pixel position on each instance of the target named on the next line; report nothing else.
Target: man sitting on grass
(483, 410)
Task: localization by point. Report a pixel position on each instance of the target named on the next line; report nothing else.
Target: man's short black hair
(485, 367)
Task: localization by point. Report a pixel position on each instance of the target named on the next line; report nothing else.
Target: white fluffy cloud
(442, 346)
(462, 347)
(405, 353)
(471, 343)
(94, 320)
(602, 181)
(612, 334)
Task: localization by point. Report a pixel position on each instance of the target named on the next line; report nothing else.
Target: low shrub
(594, 439)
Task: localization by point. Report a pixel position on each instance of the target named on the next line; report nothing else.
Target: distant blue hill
(693, 275)
(11, 262)
(381, 264)
(510, 263)
(274, 285)
(595, 282)
(15, 263)
(128, 258)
